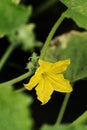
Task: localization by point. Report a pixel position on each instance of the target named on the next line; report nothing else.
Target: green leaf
(25, 36)
(15, 113)
(16, 1)
(64, 127)
(82, 119)
(71, 46)
(77, 10)
(12, 16)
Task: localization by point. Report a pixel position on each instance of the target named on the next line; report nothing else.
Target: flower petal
(45, 65)
(33, 82)
(59, 83)
(60, 66)
(44, 90)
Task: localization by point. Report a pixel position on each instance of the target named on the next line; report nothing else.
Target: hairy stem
(6, 55)
(49, 38)
(15, 80)
(62, 109)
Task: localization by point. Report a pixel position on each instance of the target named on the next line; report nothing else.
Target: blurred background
(45, 14)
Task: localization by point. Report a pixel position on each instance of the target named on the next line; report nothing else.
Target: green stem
(15, 80)
(44, 7)
(49, 38)
(6, 55)
(62, 109)
(81, 120)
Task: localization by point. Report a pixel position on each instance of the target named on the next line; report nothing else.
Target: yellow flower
(48, 78)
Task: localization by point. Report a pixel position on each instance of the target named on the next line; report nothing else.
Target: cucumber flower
(48, 78)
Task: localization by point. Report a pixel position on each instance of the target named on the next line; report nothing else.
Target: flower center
(43, 73)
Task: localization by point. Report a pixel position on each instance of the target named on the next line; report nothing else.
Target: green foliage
(77, 10)
(81, 119)
(15, 113)
(16, 1)
(71, 46)
(64, 127)
(32, 64)
(25, 37)
(12, 16)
